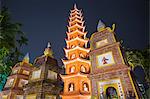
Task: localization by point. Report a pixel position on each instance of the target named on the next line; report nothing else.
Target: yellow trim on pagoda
(107, 28)
(19, 70)
(91, 44)
(101, 29)
(26, 60)
(111, 30)
(23, 62)
(111, 85)
(114, 38)
(14, 82)
(121, 55)
(4, 96)
(133, 84)
(30, 96)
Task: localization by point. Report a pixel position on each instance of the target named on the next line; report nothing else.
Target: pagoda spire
(75, 6)
(26, 58)
(48, 45)
(100, 25)
(48, 51)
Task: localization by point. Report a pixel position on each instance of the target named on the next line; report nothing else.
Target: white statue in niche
(81, 55)
(71, 87)
(83, 68)
(85, 87)
(72, 70)
(73, 56)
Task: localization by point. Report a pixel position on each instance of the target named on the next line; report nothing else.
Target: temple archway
(111, 93)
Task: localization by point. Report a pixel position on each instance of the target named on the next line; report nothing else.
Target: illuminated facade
(110, 76)
(77, 64)
(18, 78)
(44, 82)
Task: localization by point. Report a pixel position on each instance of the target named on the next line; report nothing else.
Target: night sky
(47, 20)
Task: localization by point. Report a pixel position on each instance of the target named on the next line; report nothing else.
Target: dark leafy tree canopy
(11, 41)
(139, 58)
(12, 38)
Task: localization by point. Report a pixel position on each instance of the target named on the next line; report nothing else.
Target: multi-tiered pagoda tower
(77, 64)
(18, 78)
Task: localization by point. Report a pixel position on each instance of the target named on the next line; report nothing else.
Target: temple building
(98, 72)
(18, 78)
(44, 82)
(77, 64)
(110, 75)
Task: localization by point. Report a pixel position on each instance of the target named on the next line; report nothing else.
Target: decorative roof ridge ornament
(111, 30)
(101, 26)
(26, 58)
(48, 50)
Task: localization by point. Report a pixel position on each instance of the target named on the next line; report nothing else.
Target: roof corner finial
(26, 58)
(100, 26)
(48, 45)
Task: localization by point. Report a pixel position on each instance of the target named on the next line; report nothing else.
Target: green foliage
(11, 41)
(1, 18)
(5, 66)
(141, 58)
(5, 63)
(11, 36)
